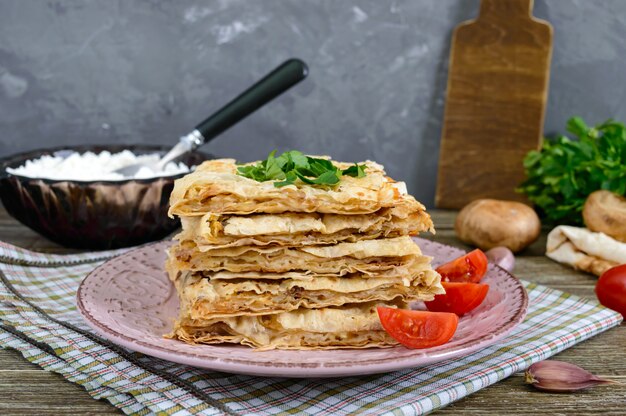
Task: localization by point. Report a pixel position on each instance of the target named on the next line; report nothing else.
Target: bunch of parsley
(290, 166)
(564, 172)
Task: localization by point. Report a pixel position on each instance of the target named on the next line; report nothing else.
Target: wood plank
(11, 360)
(512, 397)
(28, 390)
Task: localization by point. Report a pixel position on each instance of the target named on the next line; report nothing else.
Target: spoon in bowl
(285, 76)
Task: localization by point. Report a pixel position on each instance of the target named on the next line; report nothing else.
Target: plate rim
(337, 369)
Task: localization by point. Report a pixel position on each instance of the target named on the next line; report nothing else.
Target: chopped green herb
(290, 166)
(356, 171)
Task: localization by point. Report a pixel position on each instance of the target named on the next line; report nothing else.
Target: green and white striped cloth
(39, 319)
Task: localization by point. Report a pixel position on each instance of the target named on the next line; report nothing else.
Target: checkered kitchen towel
(39, 319)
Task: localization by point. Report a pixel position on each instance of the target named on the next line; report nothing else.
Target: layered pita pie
(300, 266)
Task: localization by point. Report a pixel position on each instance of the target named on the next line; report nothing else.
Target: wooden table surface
(25, 389)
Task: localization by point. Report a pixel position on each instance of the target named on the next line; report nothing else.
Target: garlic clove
(561, 377)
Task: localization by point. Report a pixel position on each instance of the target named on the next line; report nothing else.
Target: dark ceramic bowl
(92, 214)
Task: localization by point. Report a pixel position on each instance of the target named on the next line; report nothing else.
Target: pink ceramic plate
(130, 301)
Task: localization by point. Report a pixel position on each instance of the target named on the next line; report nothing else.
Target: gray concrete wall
(77, 71)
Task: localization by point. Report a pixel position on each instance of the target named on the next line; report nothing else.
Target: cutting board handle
(495, 103)
(505, 9)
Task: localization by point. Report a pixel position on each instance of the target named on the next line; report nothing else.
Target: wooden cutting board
(495, 105)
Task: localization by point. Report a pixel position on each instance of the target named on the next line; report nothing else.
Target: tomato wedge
(418, 329)
(468, 268)
(460, 298)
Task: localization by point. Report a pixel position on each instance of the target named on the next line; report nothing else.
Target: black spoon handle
(285, 76)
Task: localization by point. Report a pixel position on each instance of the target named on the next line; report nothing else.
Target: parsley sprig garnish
(565, 171)
(290, 166)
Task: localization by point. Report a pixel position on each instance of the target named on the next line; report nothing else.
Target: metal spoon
(285, 76)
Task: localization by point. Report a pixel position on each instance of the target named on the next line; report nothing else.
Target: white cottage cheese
(92, 167)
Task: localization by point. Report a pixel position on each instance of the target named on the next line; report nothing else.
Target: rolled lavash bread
(585, 250)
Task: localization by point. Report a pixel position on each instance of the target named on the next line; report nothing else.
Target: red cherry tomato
(418, 329)
(468, 268)
(611, 289)
(460, 298)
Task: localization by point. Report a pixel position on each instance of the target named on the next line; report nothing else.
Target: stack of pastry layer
(297, 267)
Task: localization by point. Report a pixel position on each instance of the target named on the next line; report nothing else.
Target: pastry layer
(205, 297)
(349, 326)
(215, 187)
(368, 257)
(212, 231)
